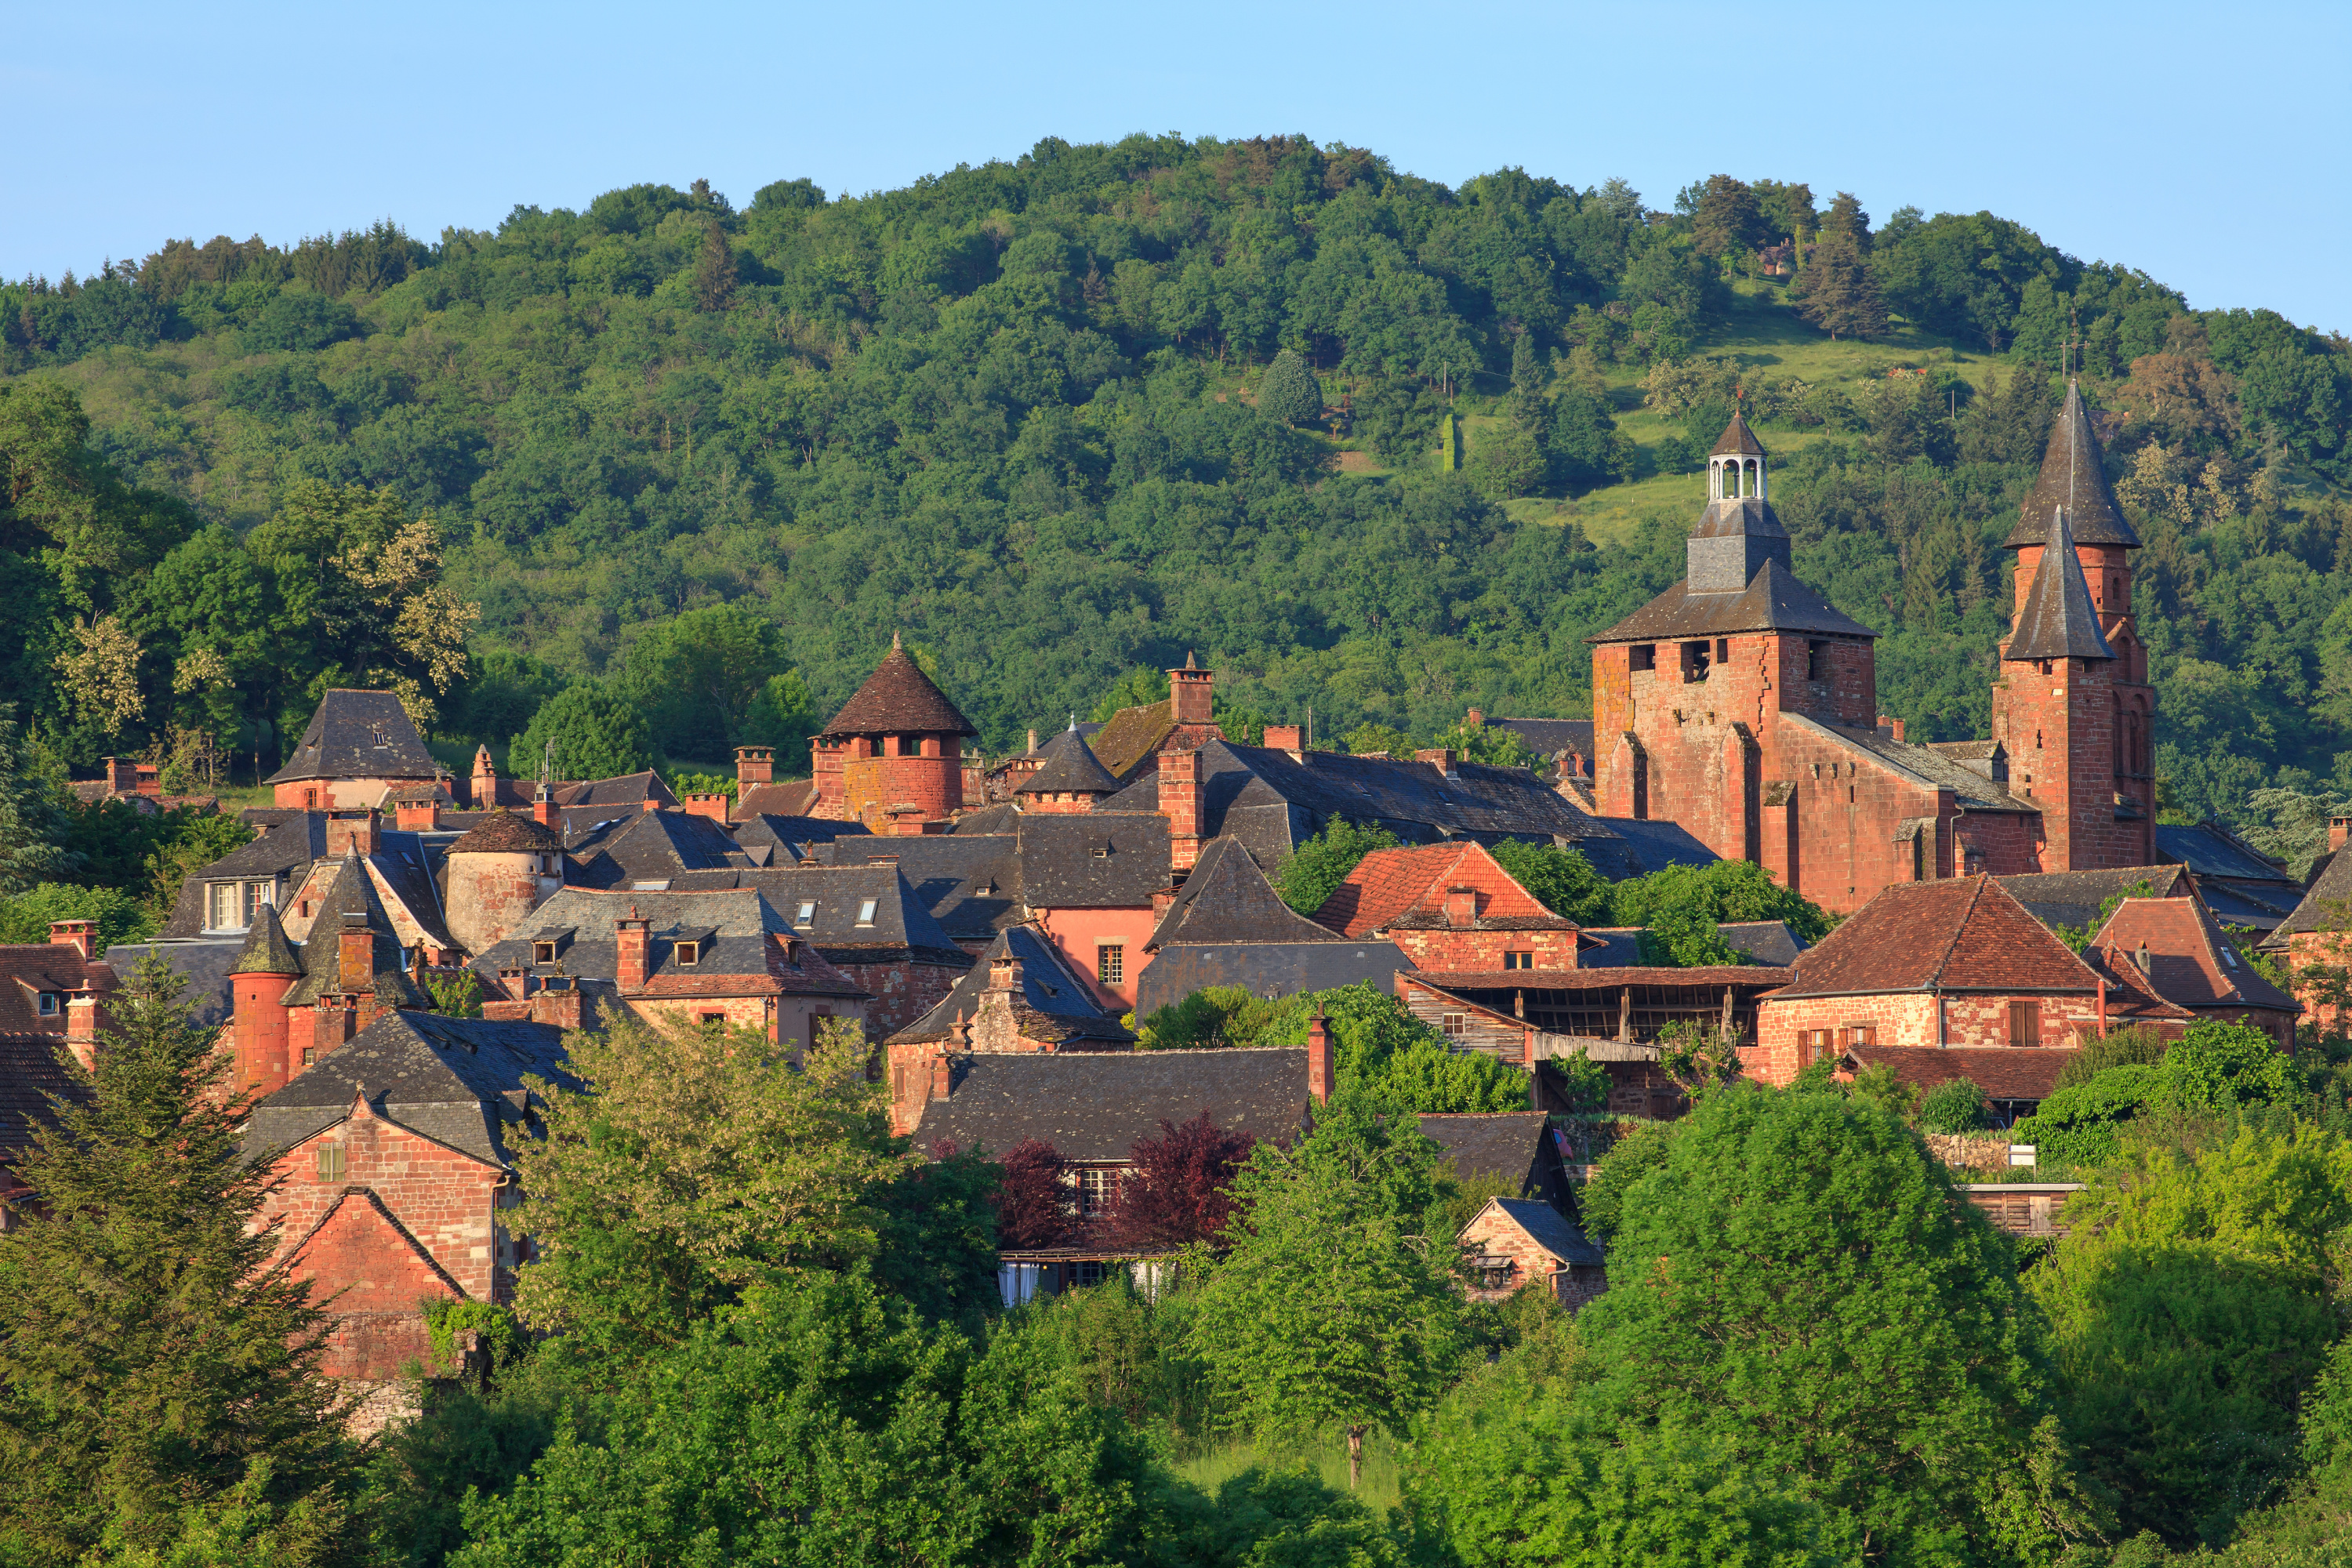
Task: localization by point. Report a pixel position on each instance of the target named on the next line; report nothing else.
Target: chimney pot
(79, 935)
(2338, 829)
(1284, 738)
(1318, 1059)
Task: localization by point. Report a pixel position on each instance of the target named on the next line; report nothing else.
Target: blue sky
(2200, 145)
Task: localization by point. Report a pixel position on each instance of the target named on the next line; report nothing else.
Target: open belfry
(1743, 706)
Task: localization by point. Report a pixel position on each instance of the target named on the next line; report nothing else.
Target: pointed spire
(2074, 476)
(1739, 441)
(898, 699)
(267, 950)
(1070, 767)
(2057, 619)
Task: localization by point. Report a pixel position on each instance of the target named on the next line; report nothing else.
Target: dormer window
(865, 908)
(542, 952)
(689, 953)
(48, 1004)
(807, 914)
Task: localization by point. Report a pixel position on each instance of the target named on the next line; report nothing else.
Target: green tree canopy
(1288, 391)
(596, 733)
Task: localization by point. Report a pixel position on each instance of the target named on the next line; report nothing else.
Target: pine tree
(714, 269)
(1527, 404)
(1289, 392)
(157, 1379)
(31, 826)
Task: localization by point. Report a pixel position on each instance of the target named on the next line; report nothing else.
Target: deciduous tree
(1180, 1189)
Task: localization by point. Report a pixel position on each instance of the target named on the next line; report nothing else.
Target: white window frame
(865, 908)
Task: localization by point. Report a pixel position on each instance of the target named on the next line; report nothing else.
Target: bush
(1289, 392)
(1954, 1107)
(2140, 1045)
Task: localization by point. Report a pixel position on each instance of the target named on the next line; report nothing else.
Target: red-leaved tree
(1031, 1203)
(1180, 1189)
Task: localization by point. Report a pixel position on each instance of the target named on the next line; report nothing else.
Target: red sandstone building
(2315, 941)
(893, 757)
(1743, 706)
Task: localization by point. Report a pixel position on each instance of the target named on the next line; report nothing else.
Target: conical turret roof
(267, 950)
(2073, 476)
(2058, 620)
(898, 699)
(1737, 440)
(1070, 767)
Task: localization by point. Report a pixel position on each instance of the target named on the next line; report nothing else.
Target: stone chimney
(942, 1082)
(1890, 727)
(633, 937)
(1461, 908)
(560, 1003)
(355, 955)
(1284, 738)
(122, 775)
(1033, 744)
(1005, 973)
(1443, 760)
(1188, 691)
(754, 765)
(79, 935)
(359, 831)
(713, 806)
(543, 806)
(1180, 803)
(484, 791)
(417, 815)
(1474, 720)
(2338, 829)
(1318, 1059)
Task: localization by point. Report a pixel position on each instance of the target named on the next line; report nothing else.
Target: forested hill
(1064, 418)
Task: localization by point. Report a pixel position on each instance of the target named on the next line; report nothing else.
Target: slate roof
(1405, 888)
(1753, 977)
(626, 789)
(1962, 933)
(2209, 849)
(898, 699)
(1774, 600)
(901, 927)
(1506, 1144)
(791, 836)
(1096, 1106)
(1055, 1005)
(2003, 1072)
(971, 883)
(264, 950)
(359, 735)
(207, 963)
(2057, 620)
(1272, 801)
(1970, 789)
(1267, 969)
(659, 847)
(1069, 768)
(1549, 737)
(508, 832)
(1003, 817)
(792, 798)
(737, 929)
(1640, 846)
(353, 891)
(1226, 900)
(2323, 905)
(2191, 960)
(2074, 476)
(1093, 860)
(1133, 737)
(293, 841)
(1736, 440)
(2074, 898)
(1551, 1230)
(454, 1080)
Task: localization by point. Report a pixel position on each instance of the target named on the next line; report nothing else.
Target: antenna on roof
(1074, 717)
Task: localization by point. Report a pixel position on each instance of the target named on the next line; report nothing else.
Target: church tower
(2072, 705)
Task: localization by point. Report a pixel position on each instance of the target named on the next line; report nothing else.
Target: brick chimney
(1187, 689)
(1005, 973)
(122, 775)
(1443, 760)
(562, 1003)
(2338, 828)
(81, 1025)
(713, 806)
(355, 955)
(79, 935)
(754, 765)
(942, 1082)
(1890, 727)
(353, 830)
(417, 815)
(484, 793)
(1461, 908)
(543, 806)
(1474, 720)
(634, 938)
(1318, 1059)
(1180, 803)
(1284, 738)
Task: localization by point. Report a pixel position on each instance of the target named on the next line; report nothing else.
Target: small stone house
(1514, 1244)
(2185, 957)
(1449, 907)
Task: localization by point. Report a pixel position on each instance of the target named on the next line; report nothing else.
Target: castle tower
(264, 973)
(1688, 692)
(498, 873)
(2102, 763)
(893, 757)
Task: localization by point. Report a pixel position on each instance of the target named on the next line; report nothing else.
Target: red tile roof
(2003, 1072)
(1408, 886)
(30, 969)
(2190, 960)
(1962, 933)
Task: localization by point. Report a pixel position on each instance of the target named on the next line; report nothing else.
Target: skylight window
(805, 914)
(865, 908)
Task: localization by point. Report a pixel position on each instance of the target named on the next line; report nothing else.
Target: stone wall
(902, 991)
